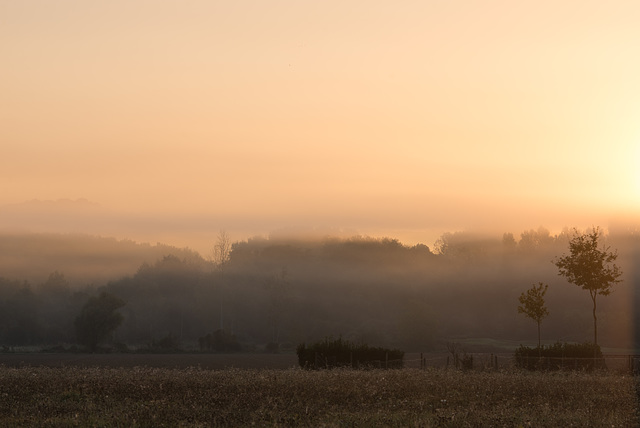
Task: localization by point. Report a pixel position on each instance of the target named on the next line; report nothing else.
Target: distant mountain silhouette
(82, 216)
(82, 258)
(62, 215)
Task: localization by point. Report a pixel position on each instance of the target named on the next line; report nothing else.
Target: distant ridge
(59, 216)
(59, 204)
(83, 216)
(82, 258)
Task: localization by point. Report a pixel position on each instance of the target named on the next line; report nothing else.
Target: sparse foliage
(454, 348)
(591, 267)
(532, 304)
(222, 250)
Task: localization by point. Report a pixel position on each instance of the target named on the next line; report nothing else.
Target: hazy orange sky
(402, 119)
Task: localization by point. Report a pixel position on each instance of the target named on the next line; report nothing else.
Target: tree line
(289, 291)
(589, 265)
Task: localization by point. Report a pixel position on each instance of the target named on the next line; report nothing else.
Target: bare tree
(222, 250)
(590, 267)
(221, 254)
(454, 349)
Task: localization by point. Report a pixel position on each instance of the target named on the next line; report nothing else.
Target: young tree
(98, 319)
(590, 267)
(532, 305)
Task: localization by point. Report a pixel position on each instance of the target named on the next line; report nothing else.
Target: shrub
(167, 344)
(219, 341)
(467, 361)
(342, 353)
(583, 356)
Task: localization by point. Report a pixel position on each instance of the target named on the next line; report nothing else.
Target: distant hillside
(83, 259)
(48, 216)
(81, 216)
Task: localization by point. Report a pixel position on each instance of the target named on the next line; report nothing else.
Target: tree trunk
(539, 350)
(595, 320)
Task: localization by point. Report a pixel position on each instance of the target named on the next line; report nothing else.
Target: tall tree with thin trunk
(532, 305)
(222, 250)
(591, 267)
(221, 256)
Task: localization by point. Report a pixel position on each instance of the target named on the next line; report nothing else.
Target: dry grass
(194, 397)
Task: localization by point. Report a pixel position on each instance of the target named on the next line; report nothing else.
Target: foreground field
(170, 361)
(140, 396)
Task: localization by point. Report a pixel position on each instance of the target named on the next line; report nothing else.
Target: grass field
(144, 396)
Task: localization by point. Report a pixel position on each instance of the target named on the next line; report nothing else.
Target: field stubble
(143, 396)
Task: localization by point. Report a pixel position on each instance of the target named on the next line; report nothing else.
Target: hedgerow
(582, 356)
(342, 353)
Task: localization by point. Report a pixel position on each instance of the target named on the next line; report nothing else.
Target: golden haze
(406, 120)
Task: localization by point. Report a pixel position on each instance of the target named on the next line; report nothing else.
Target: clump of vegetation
(98, 319)
(582, 356)
(142, 396)
(342, 353)
(168, 343)
(219, 341)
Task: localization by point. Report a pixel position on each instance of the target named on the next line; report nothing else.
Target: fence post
(386, 360)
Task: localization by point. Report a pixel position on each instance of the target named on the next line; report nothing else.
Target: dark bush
(467, 362)
(167, 344)
(342, 353)
(220, 341)
(569, 356)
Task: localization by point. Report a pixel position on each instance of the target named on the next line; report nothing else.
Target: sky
(401, 119)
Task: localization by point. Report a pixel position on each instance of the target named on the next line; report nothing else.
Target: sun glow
(632, 174)
(635, 156)
(420, 117)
